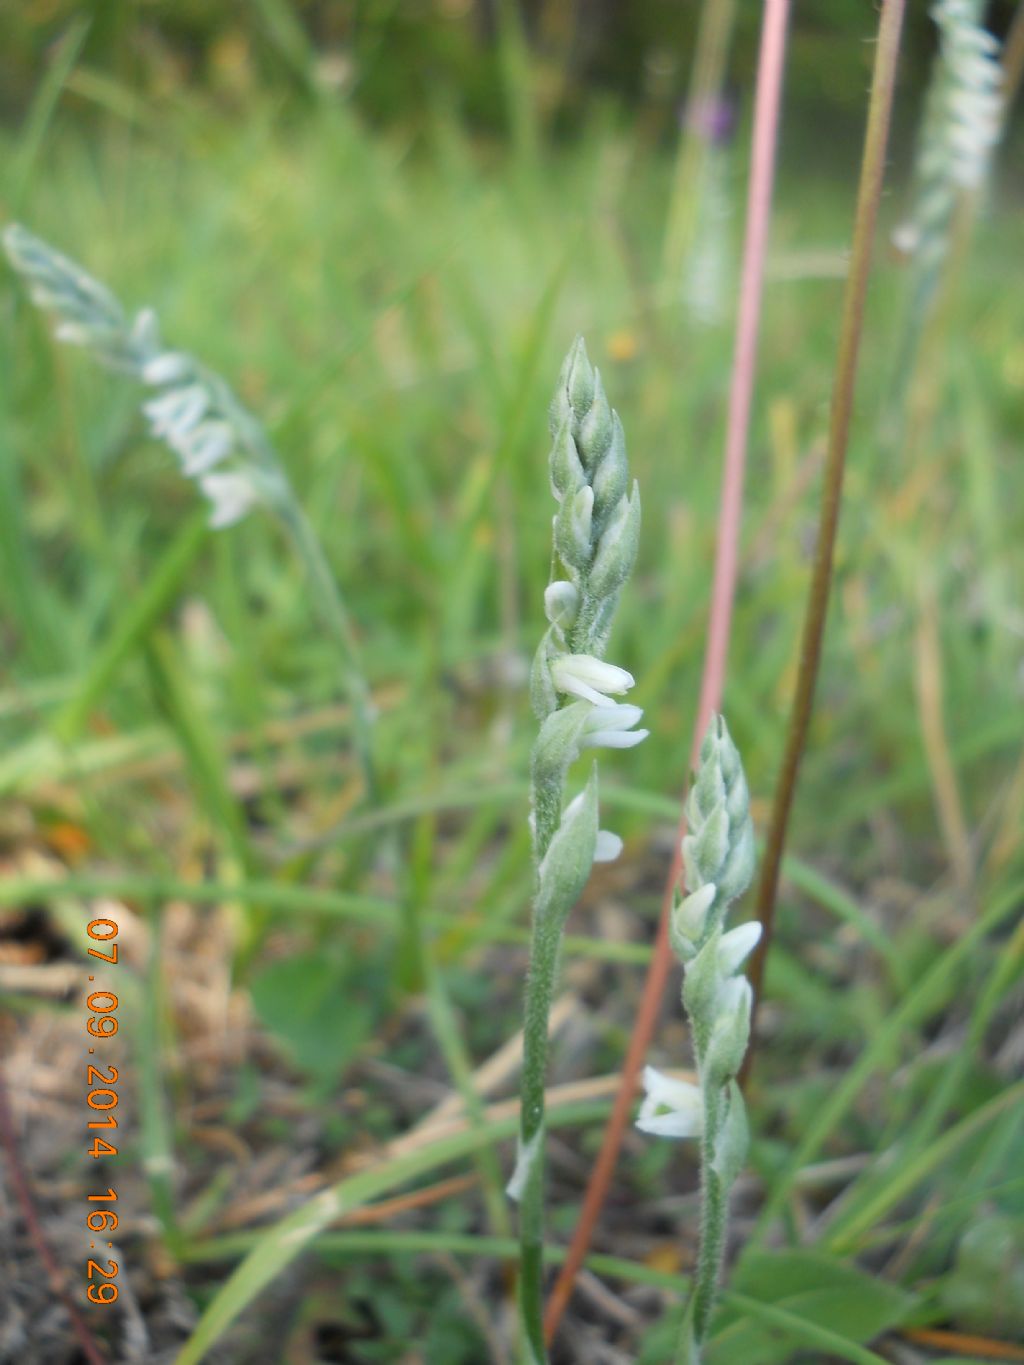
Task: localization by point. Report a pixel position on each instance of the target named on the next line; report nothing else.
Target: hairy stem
(868, 195)
(713, 1215)
(544, 951)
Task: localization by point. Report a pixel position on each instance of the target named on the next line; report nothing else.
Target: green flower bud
(689, 921)
(730, 1032)
(575, 390)
(579, 379)
(566, 865)
(595, 430)
(708, 792)
(733, 1139)
(573, 527)
(543, 697)
(566, 470)
(701, 984)
(616, 551)
(611, 477)
(735, 876)
(720, 845)
(558, 743)
(706, 850)
(561, 603)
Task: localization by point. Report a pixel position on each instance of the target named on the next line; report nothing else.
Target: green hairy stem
(596, 535)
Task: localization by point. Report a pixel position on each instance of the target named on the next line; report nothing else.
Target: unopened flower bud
(595, 431)
(689, 921)
(611, 477)
(617, 549)
(573, 527)
(564, 462)
(561, 603)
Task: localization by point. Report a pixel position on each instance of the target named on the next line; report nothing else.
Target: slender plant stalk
(1013, 60)
(336, 616)
(596, 534)
(449, 1036)
(868, 196)
(771, 63)
(984, 89)
(711, 50)
(145, 609)
(718, 855)
(959, 132)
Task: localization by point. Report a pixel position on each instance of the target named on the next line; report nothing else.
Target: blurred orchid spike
(194, 412)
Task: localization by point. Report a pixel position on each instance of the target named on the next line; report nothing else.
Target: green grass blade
(279, 1245)
(394, 1242)
(144, 611)
(911, 1010)
(911, 1173)
(42, 110)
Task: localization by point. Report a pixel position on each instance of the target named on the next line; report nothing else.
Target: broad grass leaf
(818, 1289)
(315, 1009)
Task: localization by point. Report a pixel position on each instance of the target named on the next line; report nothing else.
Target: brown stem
(771, 63)
(868, 195)
(19, 1181)
(1013, 61)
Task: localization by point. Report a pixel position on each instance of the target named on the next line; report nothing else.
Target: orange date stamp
(102, 1099)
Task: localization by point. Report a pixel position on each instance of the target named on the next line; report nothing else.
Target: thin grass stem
(711, 50)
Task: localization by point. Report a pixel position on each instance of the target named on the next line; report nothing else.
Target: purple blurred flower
(714, 120)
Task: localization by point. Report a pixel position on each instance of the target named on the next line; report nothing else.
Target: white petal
(582, 675)
(145, 332)
(613, 739)
(177, 412)
(75, 333)
(165, 368)
(671, 1108)
(736, 945)
(561, 602)
(622, 715)
(575, 688)
(669, 1124)
(232, 496)
(608, 846)
(204, 447)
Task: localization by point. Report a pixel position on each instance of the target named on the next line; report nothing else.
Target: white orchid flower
(671, 1108)
(583, 675)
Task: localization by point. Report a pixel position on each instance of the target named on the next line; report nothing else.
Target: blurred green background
(391, 57)
(384, 223)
